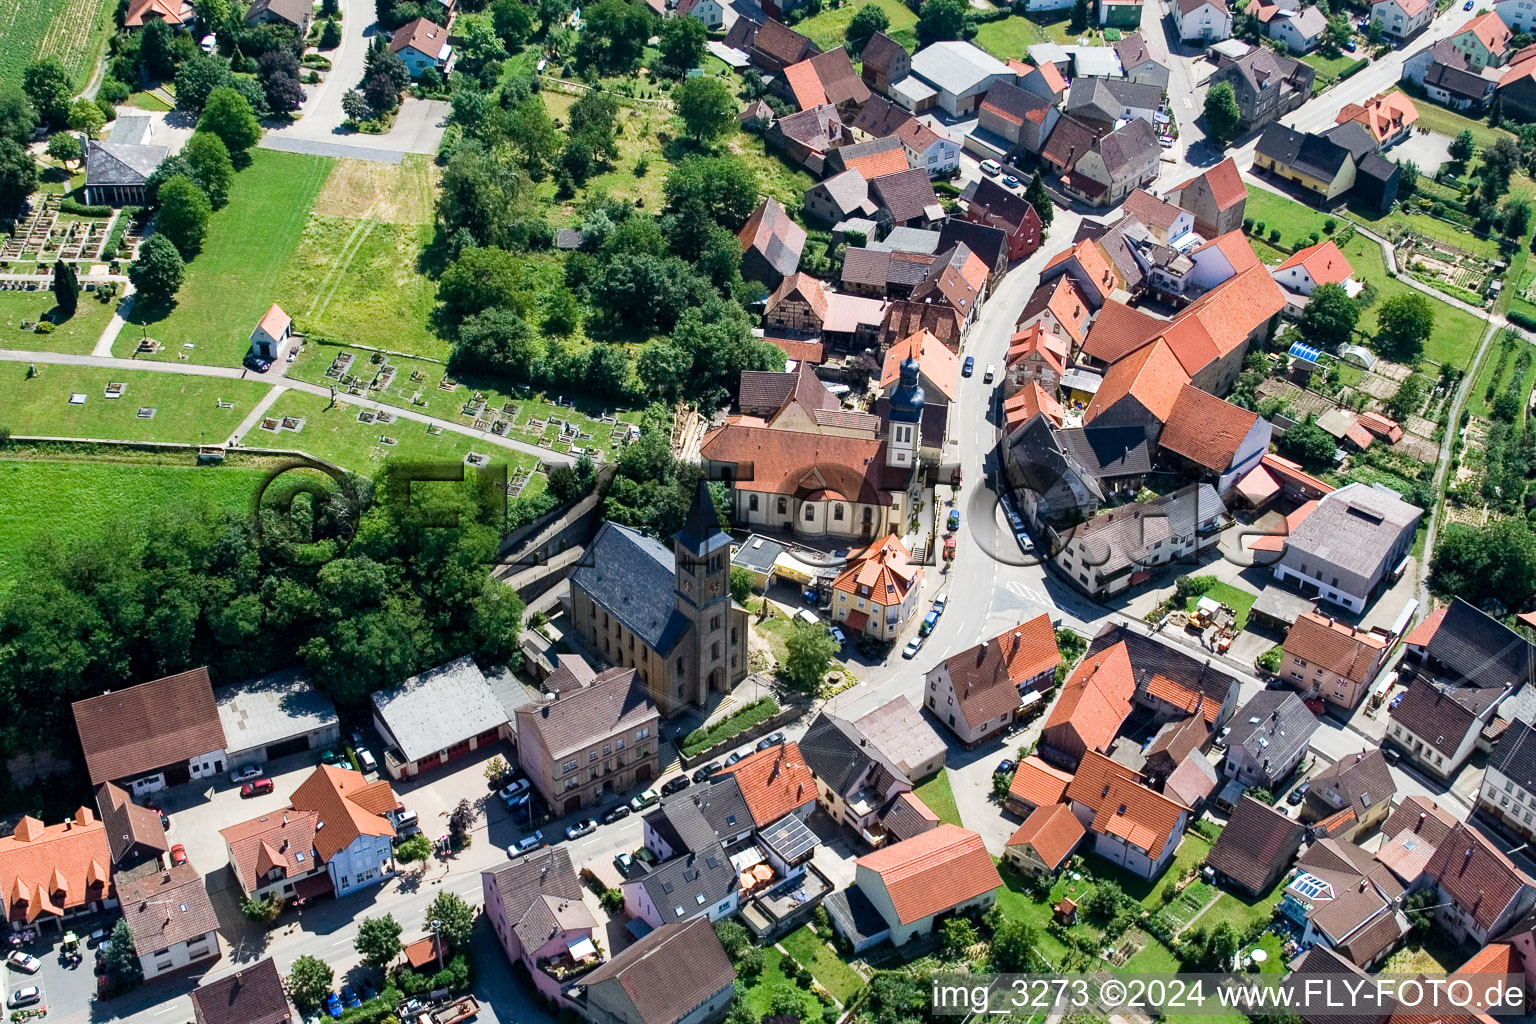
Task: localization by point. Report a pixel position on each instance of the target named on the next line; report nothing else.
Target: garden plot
(1442, 263)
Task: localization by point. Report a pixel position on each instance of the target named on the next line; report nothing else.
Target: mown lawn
(237, 275)
(78, 334)
(186, 407)
(1451, 124)
(1242, 911)
(1019, 905)
(813, 953)
(940, 798)
(1010, 37)
(829, 28)
(72, 501)
(1330, 67)
(758, 993)
(1241, 601)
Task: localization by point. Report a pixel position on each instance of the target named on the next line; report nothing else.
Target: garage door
(294, 746)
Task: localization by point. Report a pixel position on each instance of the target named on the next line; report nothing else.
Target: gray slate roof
(1108, 452)
(908, 239)
(633, 578)
(956, 67)
(834, 753)
(1128, 147)
(272, 709)
(616, 700)
(1479, 649)
(1515, 755)
(691, 884)
(1354, 529)
(438, 708)
(1274, 726)
(113, 163)
(700, 816)
(1103, 98)
(1315, 155)
(668, 973)
(1125, 537)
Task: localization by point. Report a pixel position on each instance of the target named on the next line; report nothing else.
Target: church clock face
(714, 588)
(687, 586)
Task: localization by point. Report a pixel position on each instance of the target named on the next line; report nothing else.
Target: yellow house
(1313, 162)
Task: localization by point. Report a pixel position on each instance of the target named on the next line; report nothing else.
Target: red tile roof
(1476, 875)
(986, 677)
(50, 869)
(1122, 806)
(1119, 330)
(800, 351)
(1424, 632)
(935, 359)
(877, 164)
(1490, 30)
(1323, 262)
(774, 782)
(1153, 376)
(930, 873)
(1096, 698)
(346, 805)
(1225, 182)
(805, 85)
(793, 461)
(1026, 403)
(804, 287)
(1053, 831)
(1383, 116)
(1037, 783)
(1065, 301)
(1336, 646)
(885, 573)
(1150, 210)
(770, 220)
(143, 728)
(282, 839)
(423, 35)
(1205, 429)
(1035, 340)
(1182, 697)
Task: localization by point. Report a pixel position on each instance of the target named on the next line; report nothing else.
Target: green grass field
(1241, 601)
(236, 277)
(78, 334)
(1330, 67)
(829, 28)
(1451, 124)
(822, 960)
(76, 501)
(186, 407)
(758, 993)
(73, 32)
(940, 798)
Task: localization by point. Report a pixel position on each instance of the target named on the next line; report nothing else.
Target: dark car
(1297, 794)
(777, 739)
(614, 814)
(349, 997)
(676, 785)
(968, 367)
(1005, 767)
(764, 743)
(256, 787)
(253, 361)
(706, 771)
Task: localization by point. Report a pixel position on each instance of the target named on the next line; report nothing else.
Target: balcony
(569, 965)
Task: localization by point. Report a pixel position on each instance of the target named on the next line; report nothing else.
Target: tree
(18, 174)
(809, 650)
(1261, 794)
(1308, 443)
(228, 115)
(1409, 182)
(17, 118)
(1222, 114)
(1104, 901)
(1339, 31)
(943, 20)
(741, 584)
(1462, 146)
(614, 35)
(209, 166)
(309, 980)
(958, 936)
(65, 148)
(1217, 948)
(454, 919)
(552, 13)
(717, 189)
(158, 272)
(1013, 943)
(1079, 21)
(1037, 196)
(50, 89)
(330, 34)
(594, 119)
(1330, 315)
(1482, 564)
(381, 92)
(378, 941)
(706, 106)
(156, 58)
(1515, 215)
(278, 73)
(264, 910)
(1403, 323)
(733, 936)
(499, 341)
(479, 47)
(86, 118)
(682, 45)
(199, 75)
(121, 958)
(183, 215)
(1409, 397)
(533, 134)
(867, 20)
(1417, 909)
(461, 823)
(379, 60)
(512, 20)
(66, 289)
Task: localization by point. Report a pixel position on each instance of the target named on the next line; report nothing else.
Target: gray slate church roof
(634, 578)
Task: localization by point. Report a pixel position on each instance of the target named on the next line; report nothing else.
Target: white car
(24, 962)
(986, 378)
(511, 792)
(991, 167)
(245, 774)
(913, 646)
(525, 844)
(25, 996)
(940, 602)
(1026, 543)
(581, 828)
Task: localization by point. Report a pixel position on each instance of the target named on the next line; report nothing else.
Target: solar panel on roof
(1304, 351)
(790, 838)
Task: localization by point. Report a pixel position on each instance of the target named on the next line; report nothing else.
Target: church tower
(705, 658)
(905, 439)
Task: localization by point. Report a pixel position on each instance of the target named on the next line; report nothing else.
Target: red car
(256, 787)
(178, 855)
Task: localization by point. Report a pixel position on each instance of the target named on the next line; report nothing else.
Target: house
(1216, 198)
(877, 273)
(1103, 103)
(710, 12)
(536, 908)
(1519, 15)
(1090, 269)
(275, 716)
(274, 855)
(801, 306)
(1347, 901)
(1267, 85)
(1307, 268)
(1192, 782)
(1042, 844)
(1402, 18)
(1066, 145)
(54, 873)
(438, 715)
(808, 137)
(1125, 159)
(879, 156)
(253, 994)
(1060, 310)
(1389, 117)
(990, 243)
(906, 197)
(275, 328)
(929, 147)
(1202, 21)
(176, 13)
(1035, 785)
(1438, 723)
(877, 594)
(960, 73)
(904, 318)
(981, 690)
(135, 833)
(856, 782)
(1141, 61)
(771, 243)
(1255, 848)
(688, 835)
(1216, 441)
(771, 46)
(295, 13)
(1312, 162)
(945, 870)
(1268, 737)
(1508, 791)
(939, 377)
(423, 44)
(1170, 683)
(836, 199)
(957, 278)
(993, 204)
(668, 616)
(1411, 835)
(171, 917)
(1120, 13)
(1117, 549)
(1516, 86)
(1301, 31)
(1139, 390)
(826, 78)
(1020, 118)
(1346, 548)
(1093, 704)
(1166, 223)
(1449, 79)
(1175, 740)
(1333, 660)
(884, 62)
(775, 782)
(1481, 891)
(588, 743)
(677, 974)
(1044, 80)
(1060, 476)
(157, 734)
(909, 742)
(117, 170)
(1484, 41)
(1132, 826)
(1038, 356)
(1358, 787)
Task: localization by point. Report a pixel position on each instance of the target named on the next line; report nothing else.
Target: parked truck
(459, 1010)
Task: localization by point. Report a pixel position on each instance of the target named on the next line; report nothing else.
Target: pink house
(535, 905)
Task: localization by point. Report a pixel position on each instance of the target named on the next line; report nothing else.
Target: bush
(1521, 319)
(417, 847)
(43, 327)
(73, 206)
(1248, 225)
(1274, 235)
(737, 722)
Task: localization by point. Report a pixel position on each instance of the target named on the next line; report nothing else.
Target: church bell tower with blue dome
(905, 433)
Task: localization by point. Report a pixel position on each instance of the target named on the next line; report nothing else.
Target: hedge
(1521, 319)
(735, 723)
(73, 206)
(1354, 69)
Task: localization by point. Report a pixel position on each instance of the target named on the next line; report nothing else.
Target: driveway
(1428, 150)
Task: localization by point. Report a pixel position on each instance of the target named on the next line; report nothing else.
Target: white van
(807, 616)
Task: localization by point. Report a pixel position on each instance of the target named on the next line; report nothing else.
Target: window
(618, 744)
(783, 506)
(569, 766)
(607, 749)
(837, 512)
(714, 622)
(642, 734)
(591, 756)
(714, 650)
(810, 513)
(679, 666)
(752, 503)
